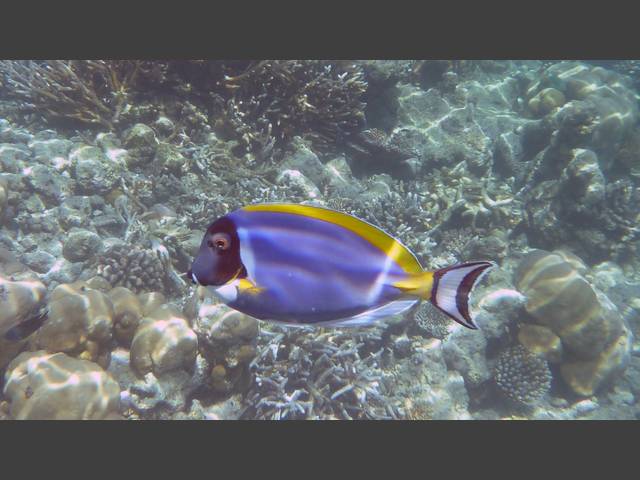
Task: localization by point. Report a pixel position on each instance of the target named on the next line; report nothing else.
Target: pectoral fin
(247, 287)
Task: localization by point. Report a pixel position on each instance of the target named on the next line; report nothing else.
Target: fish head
(218, 260)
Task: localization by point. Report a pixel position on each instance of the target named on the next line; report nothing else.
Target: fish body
(308, 265)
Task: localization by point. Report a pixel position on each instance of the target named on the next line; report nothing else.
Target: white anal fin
(370, 317)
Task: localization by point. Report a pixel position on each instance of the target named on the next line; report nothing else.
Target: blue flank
(311, 270)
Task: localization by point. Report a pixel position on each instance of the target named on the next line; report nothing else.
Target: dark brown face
(218, 260)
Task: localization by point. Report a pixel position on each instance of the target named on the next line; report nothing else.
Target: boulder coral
(46, 386)
(228, 340)
(594, 338)
(18, 300)
(163, 342)
(79, 323)
(127, 310)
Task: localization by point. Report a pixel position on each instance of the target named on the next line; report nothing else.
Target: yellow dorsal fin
(377, 237)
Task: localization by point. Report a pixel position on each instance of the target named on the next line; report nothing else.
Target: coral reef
(131, 267)
(303, 375)
(44, 386)
(111, 170)
(94, 92)
(228, 340)
(587, 145)
(163, 342)
(79, 323)
(522, 376)
(274, 100)
(595, 340)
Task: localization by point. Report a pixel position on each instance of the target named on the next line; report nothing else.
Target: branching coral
(400, 211)
(327, 375)
(274, 100)
(373, 151)
(94, 92)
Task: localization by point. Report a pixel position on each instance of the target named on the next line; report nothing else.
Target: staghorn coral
(45, 386)
(132, 267)
(90, 92)
(300, 374)
(522, 376)
(272, 101)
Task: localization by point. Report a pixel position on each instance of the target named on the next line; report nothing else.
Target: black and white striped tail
(452, 287)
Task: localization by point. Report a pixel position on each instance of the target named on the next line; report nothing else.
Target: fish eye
(219, 241)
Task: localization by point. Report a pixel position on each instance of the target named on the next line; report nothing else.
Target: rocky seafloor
(111, 171)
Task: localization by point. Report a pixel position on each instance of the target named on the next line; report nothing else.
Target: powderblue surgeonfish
(307, 265)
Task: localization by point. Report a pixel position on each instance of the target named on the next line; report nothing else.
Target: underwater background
(110, 171)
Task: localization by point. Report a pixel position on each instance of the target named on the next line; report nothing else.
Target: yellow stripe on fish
(419, 284)
(378, 238)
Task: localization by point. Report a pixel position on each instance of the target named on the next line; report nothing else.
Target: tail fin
(452, 287)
